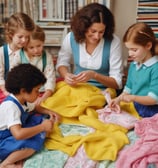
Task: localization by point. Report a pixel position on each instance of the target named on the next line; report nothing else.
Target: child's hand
(47, 125)
(128, 98)
(54, 117)
(116, 108)
(113, 102)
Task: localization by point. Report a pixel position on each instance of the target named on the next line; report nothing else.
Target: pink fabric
(123, 118)
(147, 126)
(116, 116)
(145, 149)
(80, 160)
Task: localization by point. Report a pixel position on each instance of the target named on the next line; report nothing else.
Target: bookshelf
(52, 10)
(147, 11)
(52, 15)
(63, 10)
(55, 34)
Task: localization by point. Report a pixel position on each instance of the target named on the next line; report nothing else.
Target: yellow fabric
(129, 107)
(78, 105)
(72, 101)
(112, 92)
(99, 145)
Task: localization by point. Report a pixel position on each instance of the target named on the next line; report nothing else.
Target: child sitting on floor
(22, 133)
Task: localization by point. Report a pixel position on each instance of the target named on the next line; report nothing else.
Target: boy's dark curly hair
(24, 76)
(86, 16)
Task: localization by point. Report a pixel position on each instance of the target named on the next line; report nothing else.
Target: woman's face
(95, 33)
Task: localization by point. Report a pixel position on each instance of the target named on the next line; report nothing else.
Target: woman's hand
(70, 79)
(84, 76)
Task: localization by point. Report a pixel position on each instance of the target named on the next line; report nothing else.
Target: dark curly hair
(86, 16)
(24, 76)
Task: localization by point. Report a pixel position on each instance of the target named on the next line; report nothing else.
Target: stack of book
(45, 10)
(63, 10)
(8, 7)
(148, 12)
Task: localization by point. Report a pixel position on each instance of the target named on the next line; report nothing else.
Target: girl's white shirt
(14, 60)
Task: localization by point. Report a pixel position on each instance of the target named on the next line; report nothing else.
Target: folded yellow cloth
(71, 101)
(99, 145)
(78, 105)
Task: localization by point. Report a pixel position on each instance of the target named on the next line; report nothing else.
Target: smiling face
(95, 33)
(20, 39)
(139, 53)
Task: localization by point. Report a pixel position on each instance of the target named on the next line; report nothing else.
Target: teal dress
(143, 81)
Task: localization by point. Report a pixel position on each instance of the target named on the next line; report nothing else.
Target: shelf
(52, 15)
(55, 34)
(147, 11)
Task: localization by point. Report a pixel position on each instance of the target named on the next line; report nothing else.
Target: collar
(10, 51)
(147, 63)
(24, 105)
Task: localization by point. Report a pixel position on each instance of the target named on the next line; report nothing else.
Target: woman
(93, 48)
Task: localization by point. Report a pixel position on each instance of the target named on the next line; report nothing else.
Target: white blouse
(14, 60)
(93, 61)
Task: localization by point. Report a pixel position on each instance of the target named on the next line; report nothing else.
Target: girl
(142, 82)
(17, 32)
(22, 133)
(34, 53)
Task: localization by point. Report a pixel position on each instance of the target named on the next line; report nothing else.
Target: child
(22, 133)
(142, 82)
(34, 53)
(17, 32)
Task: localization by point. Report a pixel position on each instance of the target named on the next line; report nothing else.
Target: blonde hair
(141, 33)
(16, 21)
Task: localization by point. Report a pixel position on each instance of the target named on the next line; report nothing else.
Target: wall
(125, 12)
